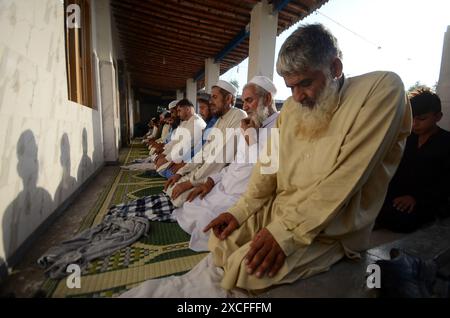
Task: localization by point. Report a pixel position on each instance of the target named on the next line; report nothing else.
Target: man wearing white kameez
(152, 131)
(166, 127)
(187, 135)
(222, 190)
(213, 155)
(155, 148)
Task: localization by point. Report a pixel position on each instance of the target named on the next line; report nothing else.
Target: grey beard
(261, 114)
(314, 121)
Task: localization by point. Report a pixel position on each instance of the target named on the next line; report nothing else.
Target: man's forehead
(249, 91)
(215, 90)
(424, 115)
(302, 75)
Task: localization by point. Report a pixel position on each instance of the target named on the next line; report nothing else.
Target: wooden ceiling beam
(222, 5)
(175, 12)
(157, 88)
(161, 81)
(139, 61)
(158, 61)
(179, 48)
(170, 33)
(182, 49)
(298, 7)
(159, 18)
(152, 62)
(171, 28)
(157, 79)
(170, 42)
(164, 57)
(174, 72)
(207, 10)
(168, 71)
(290, 15)
(145, 65)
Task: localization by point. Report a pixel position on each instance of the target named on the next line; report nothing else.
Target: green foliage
(417, 85)
(235, 83)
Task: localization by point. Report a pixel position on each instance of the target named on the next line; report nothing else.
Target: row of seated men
(415, 196)
(333, 161)
(200, 190)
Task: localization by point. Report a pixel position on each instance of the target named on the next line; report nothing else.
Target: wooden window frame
(78, 55)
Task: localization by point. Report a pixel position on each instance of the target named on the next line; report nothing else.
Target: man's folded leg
(202, 281)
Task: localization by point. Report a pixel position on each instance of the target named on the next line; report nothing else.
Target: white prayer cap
(174, 103)
(230, 88)
(265, 83)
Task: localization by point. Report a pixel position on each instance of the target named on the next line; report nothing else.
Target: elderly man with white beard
(341, 140)
(222, 190)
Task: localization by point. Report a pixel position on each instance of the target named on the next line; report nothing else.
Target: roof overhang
(166, 42)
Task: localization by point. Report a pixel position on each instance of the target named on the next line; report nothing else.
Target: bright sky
(409, 32)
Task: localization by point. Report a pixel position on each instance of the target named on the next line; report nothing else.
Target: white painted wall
(48, 144)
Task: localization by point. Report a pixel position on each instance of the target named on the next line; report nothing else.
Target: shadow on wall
(68, 183)
(31, 205)
(85, 167)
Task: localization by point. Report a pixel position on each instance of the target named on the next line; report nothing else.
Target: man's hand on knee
(181, 188)
(172, 180)
(223, 225)
(176, 166)
(201, 190)
(265, 255)
(160, 161)
(405, 203)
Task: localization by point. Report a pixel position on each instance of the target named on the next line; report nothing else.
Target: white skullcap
(265, 83)
(230, 88)
(174, 103)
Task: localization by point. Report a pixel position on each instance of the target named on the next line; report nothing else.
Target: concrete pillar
(107, 77)
(212, 72)
(130, 96)
(180, 94)
(263, 33)
(138, 111)
(191, 91)
(109, 114)
(443, 87)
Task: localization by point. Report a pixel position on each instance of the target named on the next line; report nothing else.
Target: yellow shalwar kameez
(322, 202)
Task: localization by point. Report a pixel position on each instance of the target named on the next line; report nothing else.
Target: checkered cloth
(156, 207)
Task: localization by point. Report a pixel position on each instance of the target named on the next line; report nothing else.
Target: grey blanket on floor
(114, 233)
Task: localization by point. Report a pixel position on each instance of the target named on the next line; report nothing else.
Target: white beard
(260, 115)
(315, 120)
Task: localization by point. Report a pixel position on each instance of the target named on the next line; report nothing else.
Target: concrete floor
(348, 279)
(26, 278)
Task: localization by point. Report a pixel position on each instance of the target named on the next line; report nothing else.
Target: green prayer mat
(162, 253)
